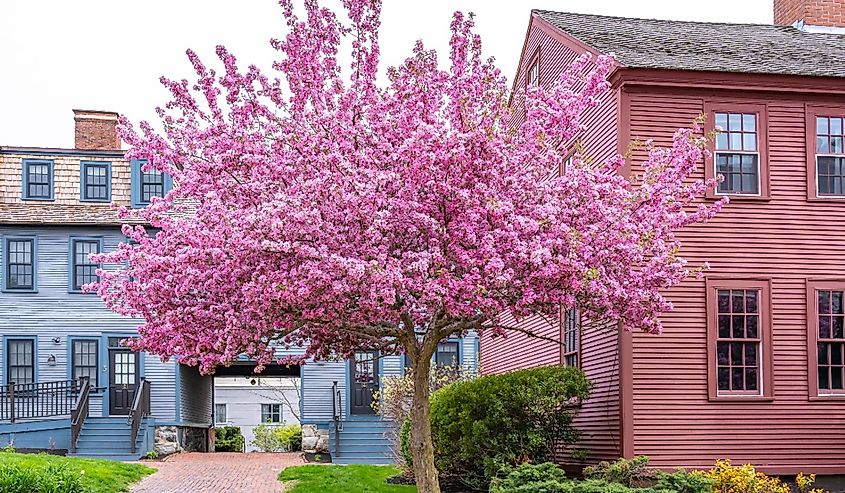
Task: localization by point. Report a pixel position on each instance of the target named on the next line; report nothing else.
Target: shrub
(549, 478)
(682, 481)
(623, 471)
(726, 478)
(52, 478)
(278, 438)
(478, 426)
(229, 439)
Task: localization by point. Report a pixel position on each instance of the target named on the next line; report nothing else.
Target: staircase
(362, 442)
(109, 437)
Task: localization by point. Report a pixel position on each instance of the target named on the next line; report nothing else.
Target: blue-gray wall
(195, 395)
(53, 312)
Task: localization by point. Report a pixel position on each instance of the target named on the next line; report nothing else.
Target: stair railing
(79, 412)
(140, 408)
(336, 416)
(37, 400)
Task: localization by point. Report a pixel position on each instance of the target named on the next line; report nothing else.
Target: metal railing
(140, 408)
(79, 412)
(38, 400)
(337, 406)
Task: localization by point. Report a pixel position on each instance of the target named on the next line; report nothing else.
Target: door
(123, 381)
(363, 372)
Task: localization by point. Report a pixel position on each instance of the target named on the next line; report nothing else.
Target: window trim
(34, 341)
(578, 332)
(25, 179)
(811, 111)
(534, 60)
(136, 171)
(4, 263)
(711, 107)
(813, 285)
(226, 413)
(82, 184)
(281, 413)
(70, 365)
(764, 284)
(71, 261)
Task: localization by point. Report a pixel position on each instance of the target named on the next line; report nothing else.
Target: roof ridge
(673, 21)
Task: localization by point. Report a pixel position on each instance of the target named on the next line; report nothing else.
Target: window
(736, 157)
(828, 152)
(271, 413)
(37, 179)
(739, 332)
(148, 184)
(739, 150)
(826, 338)
(19, 274)
(95, 181)
(220, 417)
(446, 355)
(571, 338)
(532, 74)
(83, 270)
(84, 360)
(20, 364)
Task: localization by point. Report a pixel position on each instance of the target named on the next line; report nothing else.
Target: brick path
(217, 473)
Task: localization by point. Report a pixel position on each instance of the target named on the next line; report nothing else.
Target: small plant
(727, 478)
(229, 439)
(682, 481)
(152, 454)
(623, 471)
(9, 448)
(318, 457)
(580, 455)
(52, 478)
(277, 438)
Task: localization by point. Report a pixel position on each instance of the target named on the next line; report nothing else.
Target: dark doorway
(363, 371)
(123, 380)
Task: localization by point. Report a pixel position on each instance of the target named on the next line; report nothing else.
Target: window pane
(749, 142)
(751, 301)
(738, 327)
(751, 379)
(836, 302)
(836, 126)
(735, 122)
(751, 331)
(824, 327)
(822, 144)
(836, 354)
(721, 141)
(837, 327)
(724, 378)
(724, 301)
(749, 122)
(738, 302)
(836, 377)
(836, 145)
(722, 356)
(823, 355)
(724, 326)
(750, 355)
(824, 301)
(737, 379)
(736, 141)
(722, 121)
(821, 125)
(824, 378)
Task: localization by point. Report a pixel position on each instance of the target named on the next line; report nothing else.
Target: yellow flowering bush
(726, 478)
(805, 484)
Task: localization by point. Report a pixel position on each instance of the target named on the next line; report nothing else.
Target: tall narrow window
(737, 154)
(830, 342)
(83, 270)
(220, 417)
(37, 179)
(571, 337)
(738, 345)
(271, 413)
(447, 355)
(148, 184)
(84, 360)
(534, 74)
(830, 156)
(95, 181)
(19, 261)
(20, 363)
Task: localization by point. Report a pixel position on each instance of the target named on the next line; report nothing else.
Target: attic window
(532, 76)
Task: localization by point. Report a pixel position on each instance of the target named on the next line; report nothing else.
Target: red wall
(787, 239)
(598, 418)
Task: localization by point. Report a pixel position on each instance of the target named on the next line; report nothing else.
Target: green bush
(549, 478)
(681, 481)
(478, 426)
(623, 471)
(52, 478)
(229, 439)
(278, 438)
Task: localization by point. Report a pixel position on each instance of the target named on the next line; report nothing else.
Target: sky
(57, 55)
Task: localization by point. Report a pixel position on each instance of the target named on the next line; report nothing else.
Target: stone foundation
(314, 440)
(195, 439)
(167, 440)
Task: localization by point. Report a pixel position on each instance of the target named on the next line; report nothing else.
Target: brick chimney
(812, 13)
(96, 130)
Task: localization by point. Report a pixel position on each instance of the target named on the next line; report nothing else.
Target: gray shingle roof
(719, 47)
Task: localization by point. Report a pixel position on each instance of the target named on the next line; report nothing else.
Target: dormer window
(37, 179)
(95, 181)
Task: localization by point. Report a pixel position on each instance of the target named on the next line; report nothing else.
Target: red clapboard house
(751, 365)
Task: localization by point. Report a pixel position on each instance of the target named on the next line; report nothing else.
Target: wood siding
(598, 418)
(787, 239)
(196, 393)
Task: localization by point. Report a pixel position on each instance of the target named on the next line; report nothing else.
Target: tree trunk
(422, 448)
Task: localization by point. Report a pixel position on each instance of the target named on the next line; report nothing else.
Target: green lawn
(99, 476)
(343, 479)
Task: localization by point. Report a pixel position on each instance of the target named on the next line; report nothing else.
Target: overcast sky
(56, 55)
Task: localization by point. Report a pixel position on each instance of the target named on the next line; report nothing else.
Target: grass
(100, 476)
(342, 479)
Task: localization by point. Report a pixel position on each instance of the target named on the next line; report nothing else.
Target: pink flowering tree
(325, 209)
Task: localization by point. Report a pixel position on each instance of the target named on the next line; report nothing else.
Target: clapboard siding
(599, 416)
(787, 239)
(317, 380)
(53, 312)
(195, 395)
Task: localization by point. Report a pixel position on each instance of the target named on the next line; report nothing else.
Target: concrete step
(127, 457)
(373, 460)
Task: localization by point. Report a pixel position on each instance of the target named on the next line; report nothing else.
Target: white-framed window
(737, 154)
(271, 413)
(220, 414)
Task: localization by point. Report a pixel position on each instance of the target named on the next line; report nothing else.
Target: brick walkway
(217, 473)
